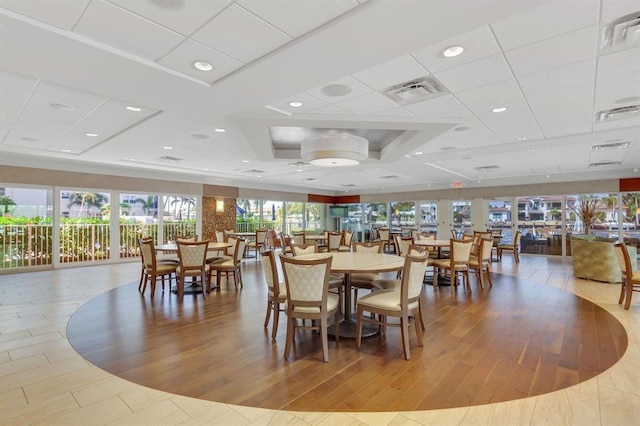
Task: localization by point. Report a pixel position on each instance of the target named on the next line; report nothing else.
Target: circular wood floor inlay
(511, 341)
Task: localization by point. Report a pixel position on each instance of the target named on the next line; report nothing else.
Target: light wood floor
(42, 379)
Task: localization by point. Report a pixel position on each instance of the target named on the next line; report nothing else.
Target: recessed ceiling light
(298, 170)
(202, 65)
(167, 147)
(548, 176)
(26, 139)
(133, 108)
(521, 138)
(132, 159)
(635, 169)
(295, 104)
(91, 135)
(407, 156)
(206, 170)
(258, 176)
(541, 162)
(65, 150)
(336, 90)
(246, 161)
(417, 153)
(452, 51)
(498, 109)
(531, 150)
(219, 130)
(61, 107)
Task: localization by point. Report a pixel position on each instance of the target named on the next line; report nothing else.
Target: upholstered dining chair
(231, 267)
(481, 263)
(298, 238)
(515, 247)
(385, 236)
(403, 303)
(456, 265)
(402, 244)
(258, 243)
(336, 281)
(285, 243)
(347, 238)
(193, 263)
(308, 248)
(307, 282)
(334, 241)
(220, 237)
(152, 268)
(630, 277)
(277, 290)
(364, 280)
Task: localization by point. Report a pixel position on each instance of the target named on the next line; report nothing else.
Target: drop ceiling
(110, 86)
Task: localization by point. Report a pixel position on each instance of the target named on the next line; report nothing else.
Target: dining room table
(438, 244)
(346, 263)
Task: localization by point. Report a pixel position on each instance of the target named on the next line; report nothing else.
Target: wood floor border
(515, 340)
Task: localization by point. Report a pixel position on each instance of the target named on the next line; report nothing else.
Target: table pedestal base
(348, 329)
(189, 289)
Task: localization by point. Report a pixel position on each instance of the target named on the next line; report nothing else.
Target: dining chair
(630, 277)
(152, 269)
(308, 248)
(185, 238)
(347, 238)
(193, 263)
(307, 283)
(457, 264)
(402, 244)
(231, 267)
(220, 237)
(276, 290)
(298, 238)
(403, 303)
(364, 280)
(514, 247)
(334, 241)
(285, 243)
(336, 281)
(258, 243)
(481, 263)
(385, 236)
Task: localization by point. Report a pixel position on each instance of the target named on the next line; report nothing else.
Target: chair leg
(269, 308)
(325, 339)
(623, 291)
(290, 333)
(141, 277)
(416, 325)
(489, 275)
(276, 317)
(404, 325)
(627, 299)
(516, 256)
(359, 326)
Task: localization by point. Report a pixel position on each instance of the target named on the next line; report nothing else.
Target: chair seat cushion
(505, 247)
(358, 278)
(446, 264)
(192, 272)
(162, 268)
(332, 303)
(168, 259)
(473, 263)
(213, 259)
(387, 284)
(344, 248)
(384, 299)
(227, 264)
(283, 290)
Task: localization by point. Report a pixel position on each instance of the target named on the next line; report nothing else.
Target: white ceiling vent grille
(253, 171)
(611, 145)
(417, 90)
(390, 177)
(348, 185)
(299, 164)
(630, 111)
(623, 32)
(169, 158)
(486, 168)
(605, 163)
(310, 180)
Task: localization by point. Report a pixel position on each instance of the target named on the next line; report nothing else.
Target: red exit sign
(456, 184)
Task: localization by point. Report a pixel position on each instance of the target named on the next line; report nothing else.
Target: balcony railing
(25, 245)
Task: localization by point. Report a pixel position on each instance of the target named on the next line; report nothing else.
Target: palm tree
(6, 201)
(150, 205)
(611, 201)
(191, 203)
(91, 199)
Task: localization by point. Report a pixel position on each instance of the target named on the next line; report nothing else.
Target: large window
(26, 234)
(138, 219)
(85, 234)
(179, 216)
(403, 215)
(461, 217)
(429, 217)
(631, 218)
(375, 216)
(499, 219)
(272, 217)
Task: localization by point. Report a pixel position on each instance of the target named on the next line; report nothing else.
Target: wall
(214, 221)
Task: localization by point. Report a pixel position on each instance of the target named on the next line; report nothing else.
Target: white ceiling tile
(309, 103)
(357, 89)
(576, 46)
(119, 28)
(475, 74)
(614, 92)
(15, 91)
(557, 78)
(477, 136)
(296, 17)
(618, 63)
(477, 44)
(397, 111)
(185, 20)
(614, 9)
(367, 104)
(482, 99)
(60, 13)
(442, 107)
(182, 57)
(258, 37)
(545, 21)
(392, 72)
(329, 109)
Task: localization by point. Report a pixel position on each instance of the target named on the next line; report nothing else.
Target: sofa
(595, 259)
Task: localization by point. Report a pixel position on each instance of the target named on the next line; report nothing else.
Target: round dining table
(348, 262)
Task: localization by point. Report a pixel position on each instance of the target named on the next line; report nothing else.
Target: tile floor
(44, 381)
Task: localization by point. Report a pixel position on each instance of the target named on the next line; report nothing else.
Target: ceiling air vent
(623, 32)
(299, 164)
(611, 145)
(253, 171)
(390, 177)
(169, 158)
(310, 180)
(417, 90)
(348, 185)
(488, 168)
(630, 111)
(605, 163)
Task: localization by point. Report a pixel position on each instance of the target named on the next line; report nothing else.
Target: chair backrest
(271, 239)
(426, 237)
(415, 250)
(231, 250)
(460, 250)
(147, 252)
(192, 254)
(402, 244)
(307, 281)
(298, 238)
(485, 249)
(624, 261)
(333, 243)
(261, 236)
(238, 251)
(285, 240)
(271, 272)
(298, 249)
(384, 233)
(347, 237)
(185, 238)
(412, 278)
(415, 234)
(220, 236)
(516, 239)
(372, 247)
(453, 234)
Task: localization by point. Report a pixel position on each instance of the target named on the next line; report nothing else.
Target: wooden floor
(518, 339)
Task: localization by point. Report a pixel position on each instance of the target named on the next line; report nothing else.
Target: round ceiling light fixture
(336, 90)
(202, 65)
(452, 51)
(335, 150)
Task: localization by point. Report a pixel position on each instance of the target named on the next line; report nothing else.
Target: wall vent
(169, 158)
(605, 163)
(417, 90)
(611, 145)
(630, 111)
